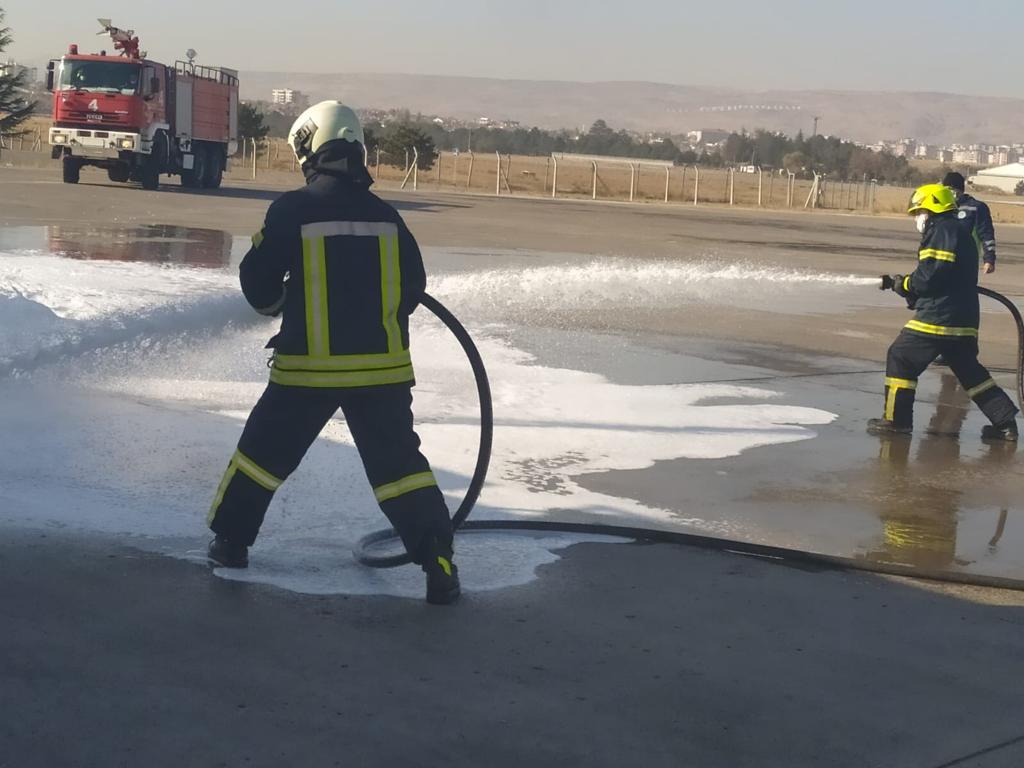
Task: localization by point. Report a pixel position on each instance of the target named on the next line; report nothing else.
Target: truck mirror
(49, 76)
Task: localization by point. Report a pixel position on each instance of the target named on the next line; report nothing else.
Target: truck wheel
(149, 174)
(119, 173)
(196, 178)
(71, 170)
(214, 170)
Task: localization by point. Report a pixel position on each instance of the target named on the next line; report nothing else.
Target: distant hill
(864, 116)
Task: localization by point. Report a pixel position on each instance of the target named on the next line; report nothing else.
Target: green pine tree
(14, 107)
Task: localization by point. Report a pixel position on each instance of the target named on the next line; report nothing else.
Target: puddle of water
(151, 243)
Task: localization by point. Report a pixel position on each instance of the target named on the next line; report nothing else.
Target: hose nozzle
(887, 283)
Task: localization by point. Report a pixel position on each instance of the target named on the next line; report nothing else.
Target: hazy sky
(943, 45)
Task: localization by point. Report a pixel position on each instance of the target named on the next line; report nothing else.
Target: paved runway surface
(618, 654)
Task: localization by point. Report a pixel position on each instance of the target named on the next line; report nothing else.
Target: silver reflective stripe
(274, 308)
(349, 229)
(971, 208)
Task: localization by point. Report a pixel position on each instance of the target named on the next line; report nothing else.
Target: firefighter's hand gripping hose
(794, 557)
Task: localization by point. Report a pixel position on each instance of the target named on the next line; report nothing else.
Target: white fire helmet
(321, 123)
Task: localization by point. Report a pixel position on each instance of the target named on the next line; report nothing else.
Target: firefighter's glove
(901, 285)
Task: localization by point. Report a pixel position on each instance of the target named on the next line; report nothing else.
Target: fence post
(632, 181)
(668, 169)
(253, 158)
(696, 182)
(760, 184)
(508, 172)
(415, 168)
(440, 157)
(243, 148)
(593, 192)
(455, 170)
(497, 181)
(682, 184)
(469, 176)
(732, 186)
(791, 192)
(554, 177)
(771, 185)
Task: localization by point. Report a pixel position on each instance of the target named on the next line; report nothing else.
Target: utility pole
(815, 132)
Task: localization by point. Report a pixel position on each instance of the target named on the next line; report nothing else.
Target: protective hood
(341, 159)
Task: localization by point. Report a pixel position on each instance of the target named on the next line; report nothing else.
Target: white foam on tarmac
(130, 433)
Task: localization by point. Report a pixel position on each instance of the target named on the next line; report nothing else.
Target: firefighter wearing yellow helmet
(344, 272)
(943, 291)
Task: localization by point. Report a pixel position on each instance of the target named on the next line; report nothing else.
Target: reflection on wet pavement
(154, 243)
(920, 494)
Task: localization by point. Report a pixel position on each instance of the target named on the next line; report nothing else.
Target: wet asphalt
(617, 654)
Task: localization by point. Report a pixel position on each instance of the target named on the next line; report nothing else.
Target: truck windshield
(100, 76)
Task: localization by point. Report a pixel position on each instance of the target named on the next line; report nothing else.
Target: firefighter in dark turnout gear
(975, 219)
(943, 291)
(345, 273)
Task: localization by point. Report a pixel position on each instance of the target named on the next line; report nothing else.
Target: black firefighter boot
(442, 575)
(1006, 432)
(228, 554)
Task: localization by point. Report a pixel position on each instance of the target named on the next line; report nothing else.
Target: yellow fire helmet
(932, 198)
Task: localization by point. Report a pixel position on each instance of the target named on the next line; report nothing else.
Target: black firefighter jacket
(976, 219)
(945, 282)
(344, 270)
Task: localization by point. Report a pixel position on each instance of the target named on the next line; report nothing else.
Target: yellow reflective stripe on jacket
(390, 290)
(895, 385)
(314, 257)
(341, 378)
(985, 386)
(257, 239)
(406, 485)
(940, 330)
(934, 253)
(255, 472)
(341, 362)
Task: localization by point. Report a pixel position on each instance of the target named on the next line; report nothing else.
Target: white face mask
(921, 220)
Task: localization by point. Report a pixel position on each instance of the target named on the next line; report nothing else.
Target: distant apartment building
(904, 148)
(971, 156)
(924, 152)
(1003, 156)
(13, 68)
(289, 97)
(944, 155)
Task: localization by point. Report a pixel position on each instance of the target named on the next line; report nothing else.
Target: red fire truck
(139, 119)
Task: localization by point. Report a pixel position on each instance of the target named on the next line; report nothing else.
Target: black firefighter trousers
(282, 427)
(911, 353)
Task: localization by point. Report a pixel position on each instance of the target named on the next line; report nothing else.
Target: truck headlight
(127, 143)
(60, 138)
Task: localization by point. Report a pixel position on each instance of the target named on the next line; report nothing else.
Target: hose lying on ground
(794, 557)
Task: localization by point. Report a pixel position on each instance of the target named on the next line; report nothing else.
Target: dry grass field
(651, 182)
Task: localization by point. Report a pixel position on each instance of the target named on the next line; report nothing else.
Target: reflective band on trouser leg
(939, 330)
(390, 290)
(406, 485)
(314, 263)
(985, 386)
(892, 388)
(242, 463)
(221, 489)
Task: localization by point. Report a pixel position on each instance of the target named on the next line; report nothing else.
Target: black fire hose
(792, 557)
(1020, 338)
